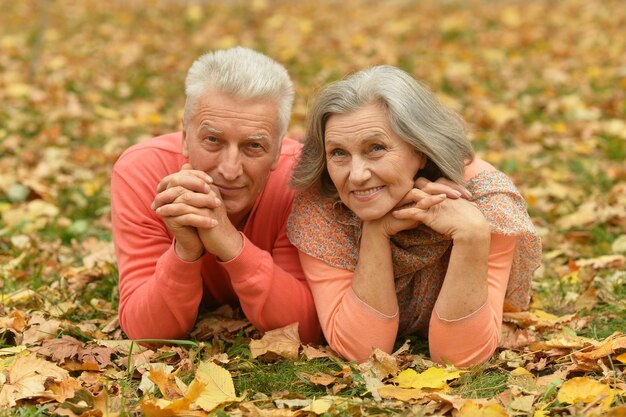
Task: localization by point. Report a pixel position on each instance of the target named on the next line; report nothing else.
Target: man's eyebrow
(210, 129)
(258, 137)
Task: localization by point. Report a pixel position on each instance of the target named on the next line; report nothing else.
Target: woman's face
(369, 164)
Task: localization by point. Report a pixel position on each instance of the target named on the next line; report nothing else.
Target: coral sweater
(160, 294)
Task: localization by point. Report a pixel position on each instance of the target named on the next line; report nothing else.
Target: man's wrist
(231, 248)
(187, 255)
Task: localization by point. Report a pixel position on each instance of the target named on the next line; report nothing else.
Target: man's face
(235, 142)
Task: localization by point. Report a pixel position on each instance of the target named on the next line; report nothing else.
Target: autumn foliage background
(541, 84)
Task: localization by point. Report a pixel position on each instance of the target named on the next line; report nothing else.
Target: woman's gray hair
(244, 74)
(414, 114)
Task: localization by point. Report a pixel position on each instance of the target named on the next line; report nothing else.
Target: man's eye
(211, 139)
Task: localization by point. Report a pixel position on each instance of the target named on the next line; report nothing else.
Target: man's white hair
(244, 74)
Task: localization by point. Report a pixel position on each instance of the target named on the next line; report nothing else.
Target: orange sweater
(160, 294)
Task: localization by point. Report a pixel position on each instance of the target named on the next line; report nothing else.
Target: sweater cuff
(245, 263)
(174, 271)
(368, 309)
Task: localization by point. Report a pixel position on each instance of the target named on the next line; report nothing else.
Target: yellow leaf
(17, 90)
(218, 386)
(20, 296)
(471, 409)
(402, 394)
(519, 371)
(608, 347)
(319, 405)
(434, 378)
(586, 390)
(622, 357)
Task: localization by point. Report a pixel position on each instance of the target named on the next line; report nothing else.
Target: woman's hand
(425, 195)
(458, 219)
(443, 186)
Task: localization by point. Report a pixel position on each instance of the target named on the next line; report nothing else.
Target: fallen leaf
(319, 405)
(432, 378)
(610, 346)
(470, 409)
(218, 387)
(402, 394)
(284, 342)
(587, 391)
(30, 377)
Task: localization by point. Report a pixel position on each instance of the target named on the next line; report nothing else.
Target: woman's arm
(351, 326)
(472, 339)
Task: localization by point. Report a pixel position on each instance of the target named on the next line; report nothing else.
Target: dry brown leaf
(39, 329)
(30, 377)
(319, 378)
(283, 342)
(312, 352)
(611, 345)
(75, 354)
(380, 364)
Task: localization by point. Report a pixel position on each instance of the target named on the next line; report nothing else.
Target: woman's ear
(423, 161)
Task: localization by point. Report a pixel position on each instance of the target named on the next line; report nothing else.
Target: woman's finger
(442, 186)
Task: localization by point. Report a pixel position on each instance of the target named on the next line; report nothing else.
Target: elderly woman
(400, 229)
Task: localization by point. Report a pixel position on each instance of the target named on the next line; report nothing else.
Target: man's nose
(230, 167)
(359, 170)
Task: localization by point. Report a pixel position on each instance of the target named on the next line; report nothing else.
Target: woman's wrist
(476, 232)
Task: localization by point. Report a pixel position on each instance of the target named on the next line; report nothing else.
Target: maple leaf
(70, 350)
(30, 377)
(284, 342)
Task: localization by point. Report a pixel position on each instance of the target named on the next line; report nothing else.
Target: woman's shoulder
(476, 167)
(321, 228)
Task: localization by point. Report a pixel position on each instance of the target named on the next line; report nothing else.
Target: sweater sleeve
(272, 289)
(351, 327)
(159, 293)
(474, 338)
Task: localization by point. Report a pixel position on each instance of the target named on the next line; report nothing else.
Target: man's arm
(272, 289)
(159, 292)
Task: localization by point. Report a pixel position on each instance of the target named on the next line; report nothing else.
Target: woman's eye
(377, 148)
(337, 153)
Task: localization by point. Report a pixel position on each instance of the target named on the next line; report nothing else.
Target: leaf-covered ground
(542, 85)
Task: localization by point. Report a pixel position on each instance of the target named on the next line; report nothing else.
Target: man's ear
(185, 150)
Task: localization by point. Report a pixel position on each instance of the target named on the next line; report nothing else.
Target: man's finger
(183, 195)
(194, 180)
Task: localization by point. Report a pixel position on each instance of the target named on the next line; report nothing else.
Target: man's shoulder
(290, 147)
(163, 148)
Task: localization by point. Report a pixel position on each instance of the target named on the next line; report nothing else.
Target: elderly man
(199, 216)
